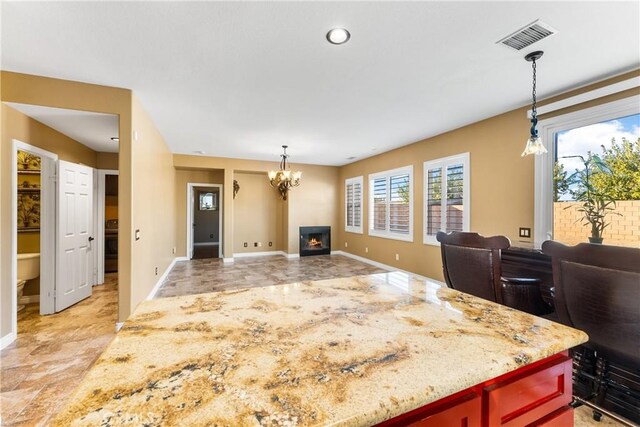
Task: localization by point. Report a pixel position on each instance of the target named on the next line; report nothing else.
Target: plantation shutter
(399, 204)
(350, 204)
(357, 204)
(379, 217)
(434, 201)
(455, 201)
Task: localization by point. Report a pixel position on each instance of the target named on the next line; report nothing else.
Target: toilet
(28, 268)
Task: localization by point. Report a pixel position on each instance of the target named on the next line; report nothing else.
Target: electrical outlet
(346, 245)
(255, 244)
(259, 244)
(137, 234)
(246, 244)
(173, 250)
(270, 243)
(211, 236)
(397, 257)
(366, 250)
(524, 232)
(156, 271)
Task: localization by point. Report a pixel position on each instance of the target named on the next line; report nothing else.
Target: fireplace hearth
(315, 240)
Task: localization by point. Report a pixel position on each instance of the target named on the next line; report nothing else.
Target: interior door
(74, 258)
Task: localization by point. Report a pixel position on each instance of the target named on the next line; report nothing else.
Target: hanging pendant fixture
(284, 179)
(534, 143)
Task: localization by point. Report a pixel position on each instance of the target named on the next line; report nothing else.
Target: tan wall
(257, 214)
(312, 203)
(182, 177)
(36, 90)
(107, 161)
(502, 184)
(153, 179)
(623, 229)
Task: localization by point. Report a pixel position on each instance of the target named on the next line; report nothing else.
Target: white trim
(258, 254)
(353, 181)
(543, 191)
(190, 213)
(119, 326)
(228, 260)
(160, 281)
(384, 266)
(182, 258)
(29, 299)
(100, 220)
(588, 96)
(443, 163)
(7, 339)
(292, 256)
(47, 230)
(387, 175)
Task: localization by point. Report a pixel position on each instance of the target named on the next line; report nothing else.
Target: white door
(74, 258)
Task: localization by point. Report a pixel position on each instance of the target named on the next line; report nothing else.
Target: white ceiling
(239, 79)
(94, 130)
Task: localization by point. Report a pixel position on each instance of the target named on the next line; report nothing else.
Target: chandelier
(534, 143)
(284, 179)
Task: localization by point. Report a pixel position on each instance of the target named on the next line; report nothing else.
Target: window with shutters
(391, 204)
(353, 205)
(446, 199)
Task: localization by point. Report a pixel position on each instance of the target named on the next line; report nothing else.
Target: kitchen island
(349, 352)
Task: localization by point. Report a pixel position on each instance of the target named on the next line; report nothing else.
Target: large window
(353, 205)
(391, 204)
(603, 140)
(446, 198)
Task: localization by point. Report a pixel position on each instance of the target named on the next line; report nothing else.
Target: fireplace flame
(314, 242)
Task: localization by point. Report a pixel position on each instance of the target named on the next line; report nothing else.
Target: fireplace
(315, 241)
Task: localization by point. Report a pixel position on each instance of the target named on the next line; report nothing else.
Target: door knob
(91, 239)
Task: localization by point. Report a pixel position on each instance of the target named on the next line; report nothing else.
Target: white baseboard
(160, 281)
(252, 254)
(292, 256)
(384, 266)
(29, 299)
(7, 339)
(119, 326)
(227, 260)
(182, 258)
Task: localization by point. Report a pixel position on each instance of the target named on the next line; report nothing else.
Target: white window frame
(347, 182)
(443, 163)
(390, 234)
(543, 192)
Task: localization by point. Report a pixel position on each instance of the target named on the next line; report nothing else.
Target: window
(446, 199)
(353, 205)
(576, 134)
(391, 204)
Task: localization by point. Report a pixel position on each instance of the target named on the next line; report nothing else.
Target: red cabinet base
(534, 395)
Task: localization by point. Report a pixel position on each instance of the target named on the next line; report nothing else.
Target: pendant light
(534, 143)
(284, 179)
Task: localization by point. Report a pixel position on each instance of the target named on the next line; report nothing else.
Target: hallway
(52, 353)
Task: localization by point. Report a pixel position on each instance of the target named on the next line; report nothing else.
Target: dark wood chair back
(471, 263)
(597, 290)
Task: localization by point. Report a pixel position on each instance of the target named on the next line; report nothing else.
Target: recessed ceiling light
(338, 36)
(199, 152)
(115, 139)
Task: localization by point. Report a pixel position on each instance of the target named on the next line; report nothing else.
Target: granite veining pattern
(349, 352)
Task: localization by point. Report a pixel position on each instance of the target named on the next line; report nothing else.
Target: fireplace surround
(315, 240)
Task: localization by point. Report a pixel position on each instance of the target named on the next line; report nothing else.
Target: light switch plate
(524, 232)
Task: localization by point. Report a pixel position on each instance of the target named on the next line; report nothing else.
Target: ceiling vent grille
(528, 35)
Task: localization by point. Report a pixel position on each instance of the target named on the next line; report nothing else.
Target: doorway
(204, 221)
(106, 220)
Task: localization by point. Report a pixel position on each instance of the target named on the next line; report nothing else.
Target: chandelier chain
(534, 110)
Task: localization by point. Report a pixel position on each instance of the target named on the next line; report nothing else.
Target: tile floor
(209, 275)
(52, 353)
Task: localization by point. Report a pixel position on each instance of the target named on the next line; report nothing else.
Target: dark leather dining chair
(597, 290)
(472, 264)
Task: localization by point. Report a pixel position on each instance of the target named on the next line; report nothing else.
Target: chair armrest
(520, 281)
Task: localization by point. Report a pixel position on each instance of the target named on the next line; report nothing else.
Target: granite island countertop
(347, 352)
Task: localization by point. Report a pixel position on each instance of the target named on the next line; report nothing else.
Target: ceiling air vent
(528, 35)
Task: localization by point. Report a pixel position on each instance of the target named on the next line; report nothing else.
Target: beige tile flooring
(583, 416)
(43, 366)
(52, 353)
